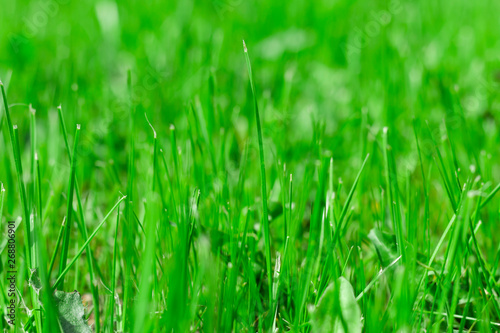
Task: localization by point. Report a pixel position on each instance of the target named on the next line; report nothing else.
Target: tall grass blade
(265, 216)
(69, 208)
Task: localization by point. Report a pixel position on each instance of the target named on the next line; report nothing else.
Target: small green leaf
(349, 309)
(71, 312)
(385, 245)
(337, 310)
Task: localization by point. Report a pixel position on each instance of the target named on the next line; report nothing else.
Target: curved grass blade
(265, 220)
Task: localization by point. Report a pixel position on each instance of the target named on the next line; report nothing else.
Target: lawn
(232, 166)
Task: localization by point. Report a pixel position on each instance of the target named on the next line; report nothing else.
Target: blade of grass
(154, 152)
(425, 189)
(2, 199)
(144, 299)
(393, 196)
(128, 232)
(84, 246)
(35, 217)
(490, 196)
(17, 158)
(69, 207)
(29, 222)
(113, 274)
(265, 218)
(444, 174)
(376, 278)
(31, 194)
(7, 114)
(22, 191)
(312, 247)
(343, 213)
(56, 249)
(39, 187)
(453, 154)
(83, 226)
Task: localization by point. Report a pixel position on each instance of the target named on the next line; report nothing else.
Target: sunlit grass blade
(265, 216)
(376, 278)
(490, 196)
(83, 247)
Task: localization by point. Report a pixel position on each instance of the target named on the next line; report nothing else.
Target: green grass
(340, 173)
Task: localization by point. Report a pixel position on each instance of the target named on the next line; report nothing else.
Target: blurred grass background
(355, 67)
